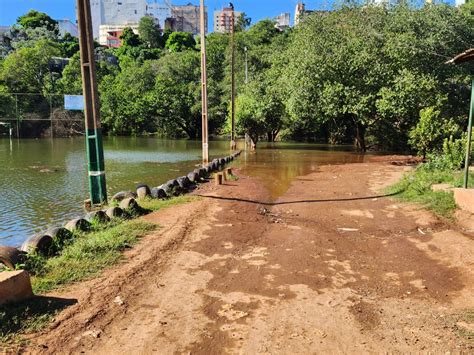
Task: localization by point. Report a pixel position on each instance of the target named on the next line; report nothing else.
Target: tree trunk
(360, 137)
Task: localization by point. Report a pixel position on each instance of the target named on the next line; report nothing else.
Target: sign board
(74, 102)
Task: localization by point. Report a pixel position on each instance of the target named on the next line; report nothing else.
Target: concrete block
(442, 187)
(15, 286)
(464, 199)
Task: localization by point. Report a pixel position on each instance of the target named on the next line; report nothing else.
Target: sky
(10, 10)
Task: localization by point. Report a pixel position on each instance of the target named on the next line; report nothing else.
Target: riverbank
(331, 266)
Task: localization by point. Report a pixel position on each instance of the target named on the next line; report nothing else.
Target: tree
(243, 21)
(34, 19)
(69, 45)
(372, 69)
(128, 105)
(27, 69)
(150, 32)
(180, 41)
(427, 131)
(129, 38)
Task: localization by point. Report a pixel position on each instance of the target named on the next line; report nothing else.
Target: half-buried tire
(78, 224)
(10, 257)
(97, 216)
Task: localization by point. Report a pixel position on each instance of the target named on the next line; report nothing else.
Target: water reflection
(44, 182)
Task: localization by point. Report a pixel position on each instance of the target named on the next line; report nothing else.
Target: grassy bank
(84, 257)
(415, 186)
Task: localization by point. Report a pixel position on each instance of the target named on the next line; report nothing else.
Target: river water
(43, 183)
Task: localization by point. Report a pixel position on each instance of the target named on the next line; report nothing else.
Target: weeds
(86, 256)
(416, 187)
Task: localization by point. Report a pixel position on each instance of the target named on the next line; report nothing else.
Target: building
(160, 11)
(67, 26)
(126, 13)
(301, 12)
(460, 2)
(109, 35)
(186, 18)
(223, 19)
(282, 21)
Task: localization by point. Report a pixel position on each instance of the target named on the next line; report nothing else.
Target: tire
(129, 204)
(159, 193)
(40, 243)
(10, 257)
(143, 191)
(79, 224)
(114, 212)
(122, 195)
(193, 177)
(98, 216)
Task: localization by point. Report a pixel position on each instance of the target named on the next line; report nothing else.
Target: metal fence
(38, 115)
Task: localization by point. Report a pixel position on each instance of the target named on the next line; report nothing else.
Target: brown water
(43, 183)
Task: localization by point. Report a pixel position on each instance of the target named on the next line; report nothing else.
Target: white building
(160, 11)
(116, 12)
(282, 21)
(67, 26)
(460, 2)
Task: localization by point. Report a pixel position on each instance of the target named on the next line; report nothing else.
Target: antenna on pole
(205, 143)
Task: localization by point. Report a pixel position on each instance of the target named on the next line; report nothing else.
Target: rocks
(10, 257)
(78, 224)
(15, 286)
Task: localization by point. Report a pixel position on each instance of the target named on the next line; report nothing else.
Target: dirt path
(330, 267)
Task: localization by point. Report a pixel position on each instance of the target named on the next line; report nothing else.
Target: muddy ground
(331, 266)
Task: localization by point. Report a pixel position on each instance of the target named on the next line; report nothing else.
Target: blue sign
(74, 102)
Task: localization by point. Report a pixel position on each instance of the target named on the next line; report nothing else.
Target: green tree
(150, 32)
(34, 19)
(130, 38)
(27, 69)
(180, 41)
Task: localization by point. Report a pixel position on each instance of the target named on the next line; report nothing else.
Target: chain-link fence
(38, 115)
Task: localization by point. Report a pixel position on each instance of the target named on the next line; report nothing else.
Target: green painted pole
(94, 146)
(469, 139)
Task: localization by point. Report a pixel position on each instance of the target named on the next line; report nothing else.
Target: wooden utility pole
(95, 150)
(205, 143)
(232, 65)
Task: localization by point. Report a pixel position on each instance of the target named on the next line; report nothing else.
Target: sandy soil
(332, 266)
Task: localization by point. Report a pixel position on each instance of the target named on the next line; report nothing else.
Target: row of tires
(51, 242)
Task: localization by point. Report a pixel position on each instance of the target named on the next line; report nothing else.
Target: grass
(467, 334)
(415, 186)
(82, 257)
(155, 205)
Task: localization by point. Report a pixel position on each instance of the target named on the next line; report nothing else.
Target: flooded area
(43, 183)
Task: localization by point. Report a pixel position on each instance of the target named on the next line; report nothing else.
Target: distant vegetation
(372, 76)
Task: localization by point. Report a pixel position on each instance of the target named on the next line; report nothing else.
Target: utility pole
(95, 150)
(246, 67)
(232, 65)
(205, 143)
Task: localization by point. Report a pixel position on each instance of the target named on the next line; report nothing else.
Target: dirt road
(331, 266)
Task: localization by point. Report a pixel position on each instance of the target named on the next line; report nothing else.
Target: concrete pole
(95, 150)
(469, 139)
(232, 65)
(205, 134)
